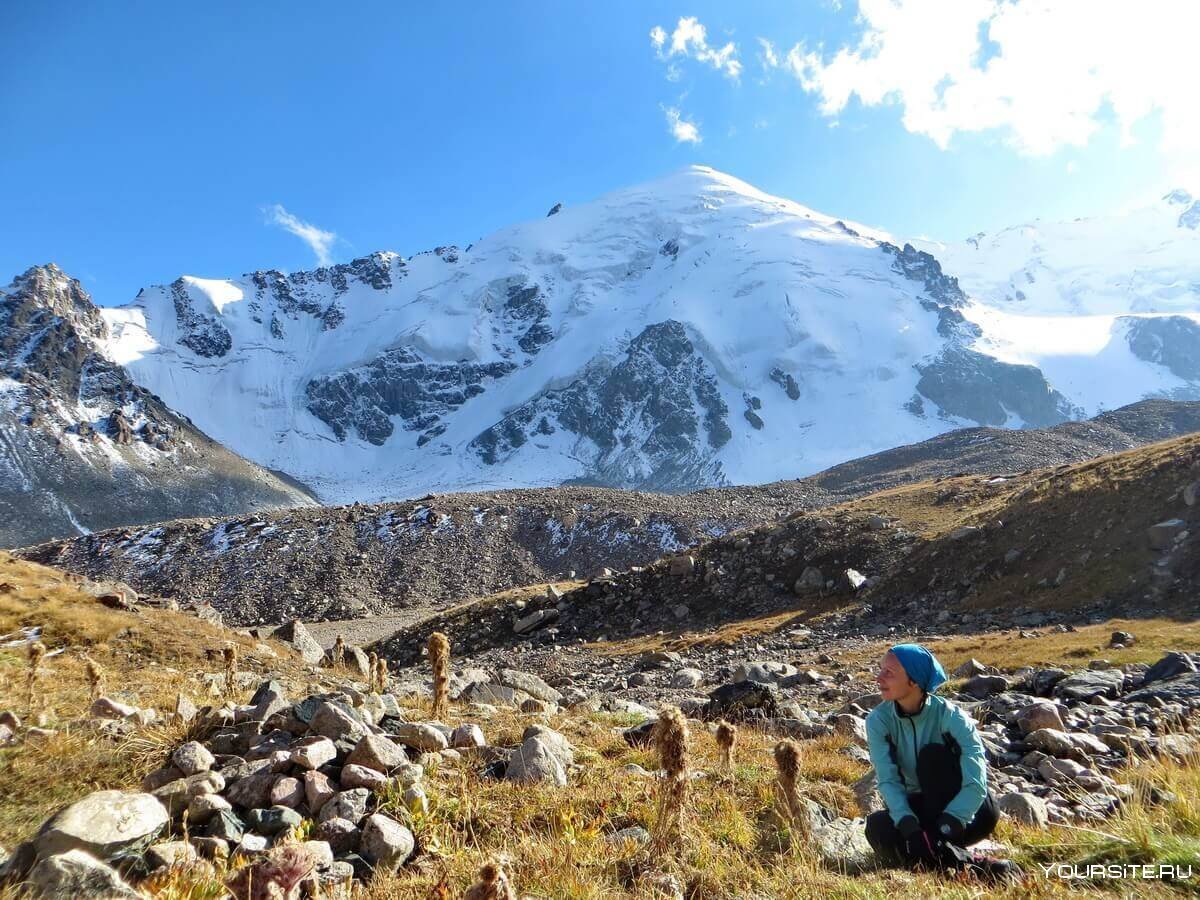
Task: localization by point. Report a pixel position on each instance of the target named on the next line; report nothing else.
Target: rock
(762, 671)
(1041, 714)
(378, 753)
(211, 847)
(866, 794)
(1179, 746)
(1172, 664)
(171, 853)
(269, 698)
(983, 686)
(192, 757)
(76, 874)
(855, 579)
(687, 678)
(1184, 689)
(341, 835)
(962, 532)
(1090, 684)
(539, 707)
(842, 845)
(535, 620)
(1050, 740)
(1162, 536)
(361, 777)
(659, 659)
(529, 684)
(185, 709)
(970, 669)
(286, 791)
(107, 708)
(273, 821)
(730, 700)
(385, 842)
(317, 790)
(810, 580)
(421, 737)
(201, 809)
(107, 824)
(334, 720)
(467, 736)
(1025, 808)
(226, 825)
(313, 752)
(415, 800)
(1121, 639)
(350, 805)
(538, 760)
(253, 791)
(1042, 681)
(295, 634)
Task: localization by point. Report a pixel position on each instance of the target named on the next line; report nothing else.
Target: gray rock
(342, 835)
(253, 791)
(687, 678)
(225, 825)
(983, 686)
(529, 684)
(192, 757)
(734, 699)
(171, 853)
(385, 842)
(634, 834)
(762, 671)
(1090, 684)
(466, 736)
(421, 736)
(842, 845)
(313, 752)
(77, 875)
(1172, 664)
(535, 620)
(1183, 689)
(350, 805)
(543, 757)
(1027, 809)
(107, 824)
(335, 720)
(378, 753)
(1037, 715)
(295, 634)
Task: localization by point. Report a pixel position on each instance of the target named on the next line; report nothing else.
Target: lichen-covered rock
(107, 824)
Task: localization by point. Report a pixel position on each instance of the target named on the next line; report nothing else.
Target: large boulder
(108, 825)
(1024, 808)
(77, 875)
(530, 684)
(295, 634)
(1037, 715)
(1172, 664)
(1183, 689)
(733, 700)
(1090, 684)
(378, 753)
(543, 757)
(385, 843)
(763, 671)
(842, 845)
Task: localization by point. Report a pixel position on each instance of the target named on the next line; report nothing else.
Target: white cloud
(690, 40)
(319, 242)
(681, 129)
(1044, 73)
(768, 55)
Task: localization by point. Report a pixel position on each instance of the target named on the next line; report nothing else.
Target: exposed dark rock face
(973, 386)
(68, 413)
(397, 383)
(1190, 217)
(203, 335)
(293, 294)
(786, 381)
(1171, 341)
(554, 210)
(924, 267)
(654, 418)
(524, 312)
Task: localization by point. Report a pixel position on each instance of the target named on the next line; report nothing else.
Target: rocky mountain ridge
(84, 446)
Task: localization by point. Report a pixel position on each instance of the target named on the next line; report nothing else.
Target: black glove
(919, 846)
(949, 828)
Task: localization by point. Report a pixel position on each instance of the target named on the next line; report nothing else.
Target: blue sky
(144, 140)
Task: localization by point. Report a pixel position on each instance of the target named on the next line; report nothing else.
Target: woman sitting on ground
(931, 769)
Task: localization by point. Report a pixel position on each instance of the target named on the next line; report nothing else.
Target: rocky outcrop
(204, 335)
(397, 384)
(1169, 341)
(653, 420)
(67, 414)
(982, 389)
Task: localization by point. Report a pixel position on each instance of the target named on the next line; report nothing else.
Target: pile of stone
(349, 762)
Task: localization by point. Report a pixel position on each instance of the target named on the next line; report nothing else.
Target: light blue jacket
(909, 734)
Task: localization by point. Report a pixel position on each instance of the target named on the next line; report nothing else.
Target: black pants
(940, 778)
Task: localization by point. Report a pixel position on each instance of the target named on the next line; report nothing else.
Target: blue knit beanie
(921, 666)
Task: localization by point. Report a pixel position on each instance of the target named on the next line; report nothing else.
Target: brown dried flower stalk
(439, 661)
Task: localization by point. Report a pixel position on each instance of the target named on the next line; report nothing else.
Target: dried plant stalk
(671, 741)
(726, 744)
(493, 884)
(787, 760)
(439, 661)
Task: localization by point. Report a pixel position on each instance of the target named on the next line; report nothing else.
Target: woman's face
(893, 681)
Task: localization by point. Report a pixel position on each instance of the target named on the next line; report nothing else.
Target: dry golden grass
(148, 658)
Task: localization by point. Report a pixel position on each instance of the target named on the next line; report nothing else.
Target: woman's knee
(985, 821)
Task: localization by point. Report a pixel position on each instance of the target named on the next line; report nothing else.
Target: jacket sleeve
(887, 775)
(973, 762)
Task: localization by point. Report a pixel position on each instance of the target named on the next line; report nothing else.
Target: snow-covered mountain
(690, 331)
(83, 447)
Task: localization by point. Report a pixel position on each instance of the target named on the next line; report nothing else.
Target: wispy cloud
(1045, 74)
(319, 241)
(681, 129)
(690, 41)
(767, 54)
